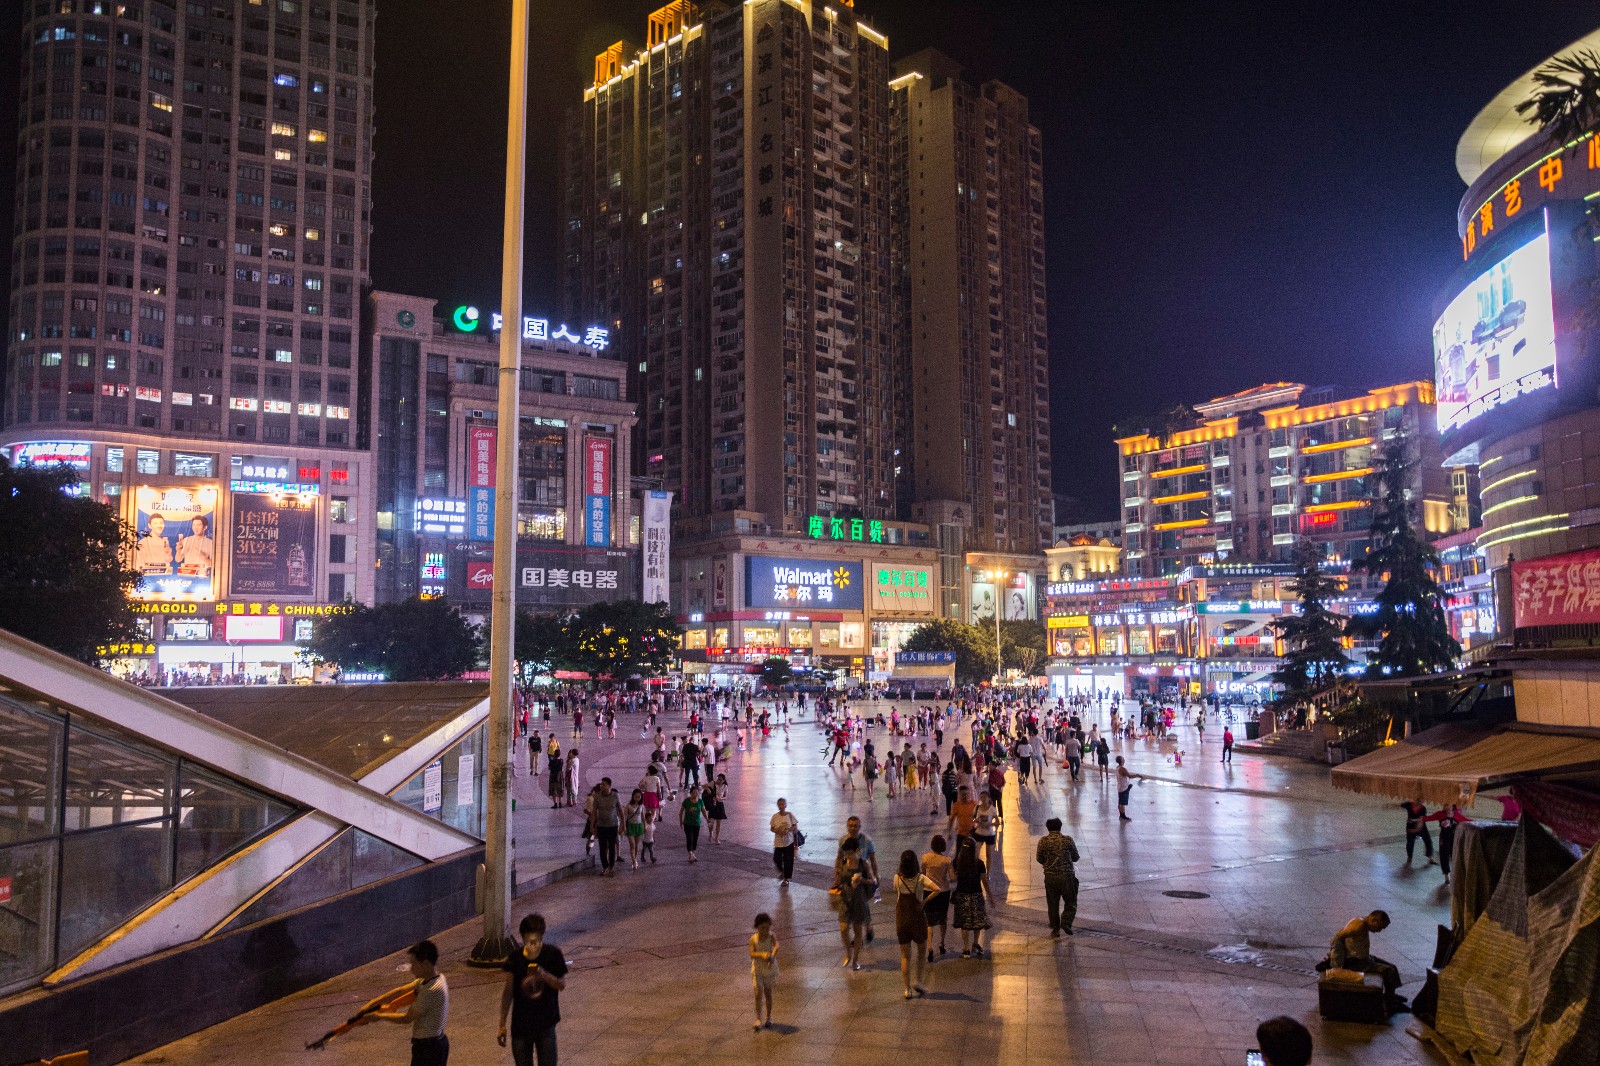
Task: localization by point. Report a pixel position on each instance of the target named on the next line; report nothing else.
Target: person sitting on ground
(1351, 949)
(1284, 1042)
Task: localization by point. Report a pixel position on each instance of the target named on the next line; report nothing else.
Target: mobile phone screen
(1253, 1058)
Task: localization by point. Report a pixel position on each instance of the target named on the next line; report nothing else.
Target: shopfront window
(852, 635)
(188, 464)
(828, 636)
(1111, 643)
(542, 468)
(188, 629)
(113, 460)
(799, 636)
(148, 461)
(694, 638)
(719, 637)
(1139, 640)
(761, 636)
(1167, 639)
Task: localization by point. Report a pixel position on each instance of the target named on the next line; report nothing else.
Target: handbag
(799, 839)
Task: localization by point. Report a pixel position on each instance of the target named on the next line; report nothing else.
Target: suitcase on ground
(1346, 1001)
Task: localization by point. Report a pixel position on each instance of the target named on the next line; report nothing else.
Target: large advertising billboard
(597, 500)
(903, 589)
(175, 552)
(1496, 340)
(1557, 590)
(481, 441)
(776, 582)
(549, 578)
(274, 545)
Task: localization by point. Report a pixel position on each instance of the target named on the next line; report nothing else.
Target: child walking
(763, 968)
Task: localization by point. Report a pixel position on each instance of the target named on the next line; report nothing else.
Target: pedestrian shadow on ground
(780, 1029)
(950, 997)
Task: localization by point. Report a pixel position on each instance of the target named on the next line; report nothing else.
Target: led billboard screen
(1496, 340)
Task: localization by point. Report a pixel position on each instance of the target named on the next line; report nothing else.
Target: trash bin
(1336, 752)
(1252, 729)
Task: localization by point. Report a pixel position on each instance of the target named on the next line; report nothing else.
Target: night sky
(1234, 192)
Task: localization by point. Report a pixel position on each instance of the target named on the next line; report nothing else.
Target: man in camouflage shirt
(1057, 853)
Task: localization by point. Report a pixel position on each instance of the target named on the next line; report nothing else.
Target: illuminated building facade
(192, 212)
(429, 390)
(1518, 367)
(1268, 467)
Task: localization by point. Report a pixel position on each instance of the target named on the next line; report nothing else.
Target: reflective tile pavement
(1271, 860)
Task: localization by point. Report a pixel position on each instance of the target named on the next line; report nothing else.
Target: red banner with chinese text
(1557, 590)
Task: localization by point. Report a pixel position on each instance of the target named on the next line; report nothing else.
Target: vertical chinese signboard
(1557, 590)
(656, 530)
(481, 441)
(597, 486)
(274, 546)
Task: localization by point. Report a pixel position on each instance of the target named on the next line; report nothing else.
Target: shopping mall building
(1516, 367)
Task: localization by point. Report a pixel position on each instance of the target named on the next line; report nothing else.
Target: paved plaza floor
(1271, 858)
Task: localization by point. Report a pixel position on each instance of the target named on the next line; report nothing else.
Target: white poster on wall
(433, 787)
(464, 782)
(657, 533)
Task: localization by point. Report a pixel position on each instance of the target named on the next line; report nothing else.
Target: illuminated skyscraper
(192, 206)
(726, 211)
(969, 198)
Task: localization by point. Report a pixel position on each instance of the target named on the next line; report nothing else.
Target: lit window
(312, 409)
(282, 155)
(275, 407)
(338, 412)
(279, 129)
(278, 229)
(281, 355)
(317, 136)
(160, 103)
(242, 403)
(313, 235)
(50, 359)
(285, 79)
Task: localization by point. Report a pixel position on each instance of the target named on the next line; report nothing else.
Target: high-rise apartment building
(727, 211)
(970, 255)
(192, 219)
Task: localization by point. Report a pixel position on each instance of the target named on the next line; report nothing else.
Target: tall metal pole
(495, 945)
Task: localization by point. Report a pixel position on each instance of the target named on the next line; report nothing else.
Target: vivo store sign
(779, 582)
(1496, 341)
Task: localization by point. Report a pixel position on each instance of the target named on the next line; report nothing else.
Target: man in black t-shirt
(535, 979)
(691, 762)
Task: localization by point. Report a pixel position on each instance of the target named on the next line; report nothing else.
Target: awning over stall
(1451, 763)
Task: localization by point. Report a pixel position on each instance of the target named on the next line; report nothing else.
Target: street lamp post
(495, 945)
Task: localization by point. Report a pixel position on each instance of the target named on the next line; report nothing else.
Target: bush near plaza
(413, 640)
(64, 574)
(776, 672)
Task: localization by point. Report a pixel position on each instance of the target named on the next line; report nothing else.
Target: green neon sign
(824, 527)
(466, 318)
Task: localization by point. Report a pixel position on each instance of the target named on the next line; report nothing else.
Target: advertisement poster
(274, 546)
(433, 787)
(982, 601)
(559, 578)
(1019, 598)
(176, 550)
(465, 784)
(657, 534)
(480, 482)
(597, 486)
(778, 582)
(1497, 339)
(1557, 590)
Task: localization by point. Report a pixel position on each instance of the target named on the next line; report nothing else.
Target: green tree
(65, 574)
(1410, 627)
(1567, 103)
(624, 638)
(973, 645)
(543, 646)
(1022, 644)
(1313, 655)
(776, 672)
(413, 640)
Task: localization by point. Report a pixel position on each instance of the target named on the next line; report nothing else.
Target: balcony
(1279, 509)
(1280, 451)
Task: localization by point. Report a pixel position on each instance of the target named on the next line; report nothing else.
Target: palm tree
(1567, 103)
